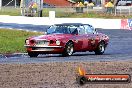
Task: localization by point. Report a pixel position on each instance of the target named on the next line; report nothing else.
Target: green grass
(97, 15)
(63, 13)
(12, 41)
(10, 11)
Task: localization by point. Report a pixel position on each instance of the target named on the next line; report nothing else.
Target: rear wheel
(69, 49)
(33, 54)
(100, 49)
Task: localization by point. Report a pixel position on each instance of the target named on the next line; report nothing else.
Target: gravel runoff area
(59, 74)
(63, 74)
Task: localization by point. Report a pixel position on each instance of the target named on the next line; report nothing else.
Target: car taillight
(106, 37)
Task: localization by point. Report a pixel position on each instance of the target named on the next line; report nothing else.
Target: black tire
(33, 54)
(69, 49)
(81, 80)
(100, 49)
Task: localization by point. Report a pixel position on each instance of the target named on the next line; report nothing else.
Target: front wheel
(69, 49)
(33, 54)
(100, 49)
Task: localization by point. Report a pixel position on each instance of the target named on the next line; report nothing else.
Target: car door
(77, 38)
(91, 37)
(83, 38)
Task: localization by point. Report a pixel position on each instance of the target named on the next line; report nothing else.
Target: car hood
(51, 37)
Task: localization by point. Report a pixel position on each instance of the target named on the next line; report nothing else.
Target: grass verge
(12, 41)
(10, 11)
(64, 12)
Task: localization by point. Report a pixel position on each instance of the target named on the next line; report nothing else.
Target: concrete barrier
(96, 22)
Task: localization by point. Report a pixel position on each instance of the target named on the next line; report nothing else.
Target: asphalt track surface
(119, 48)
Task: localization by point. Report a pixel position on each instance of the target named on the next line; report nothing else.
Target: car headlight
(27, 41)
(57, 42)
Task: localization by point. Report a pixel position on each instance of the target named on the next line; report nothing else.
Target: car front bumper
(44, 49)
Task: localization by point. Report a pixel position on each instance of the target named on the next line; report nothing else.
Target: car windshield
(62, 29)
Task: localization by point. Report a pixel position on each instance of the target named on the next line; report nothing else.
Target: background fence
(66, 11)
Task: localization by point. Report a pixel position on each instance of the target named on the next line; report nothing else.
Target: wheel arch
(70, 41)
(102, 41)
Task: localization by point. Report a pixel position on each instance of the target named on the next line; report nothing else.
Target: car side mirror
(75, 32)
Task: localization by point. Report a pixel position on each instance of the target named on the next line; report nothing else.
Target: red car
(66, 39)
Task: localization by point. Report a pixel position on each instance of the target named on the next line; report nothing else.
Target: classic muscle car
(66, 39)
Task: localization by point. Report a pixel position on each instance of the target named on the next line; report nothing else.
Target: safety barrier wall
(96, 22)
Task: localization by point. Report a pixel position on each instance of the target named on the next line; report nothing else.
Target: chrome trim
(40, 43)
(41, 40)
(43, 50)
(43, 46)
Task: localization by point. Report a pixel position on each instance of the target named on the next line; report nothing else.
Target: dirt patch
(59, 74)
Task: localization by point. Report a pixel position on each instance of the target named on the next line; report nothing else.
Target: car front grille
(42, 43)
